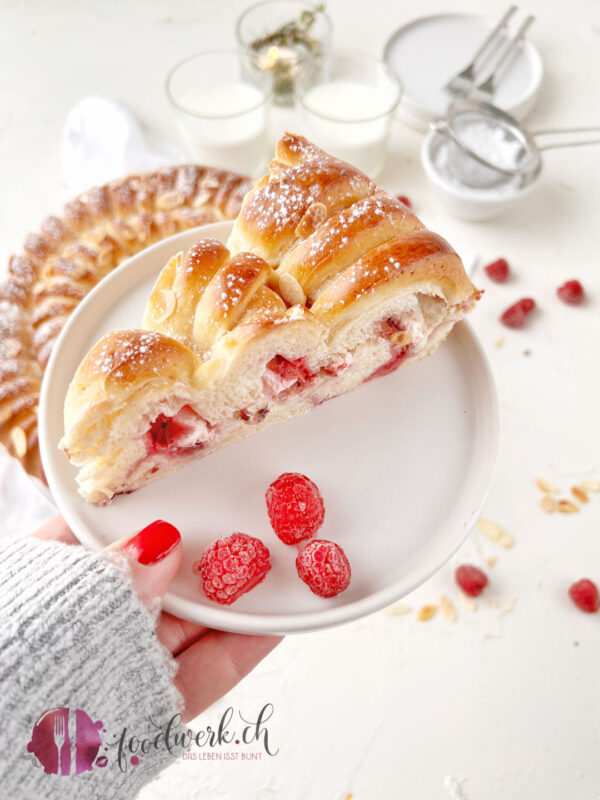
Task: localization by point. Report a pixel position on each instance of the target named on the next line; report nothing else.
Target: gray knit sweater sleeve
(81, 673)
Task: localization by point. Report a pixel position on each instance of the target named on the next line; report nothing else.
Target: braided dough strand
(70, 254)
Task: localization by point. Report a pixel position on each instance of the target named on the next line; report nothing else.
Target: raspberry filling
(399, 352)
(283, 377)
(253, 417)
(182, 433)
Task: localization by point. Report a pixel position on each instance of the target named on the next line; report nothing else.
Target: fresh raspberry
(515, 315)
(295, 507)
(324, 568)
(584, 593)
(498, 271)
(571, 292)
(471, 579)
(404, 199)
(232, 566)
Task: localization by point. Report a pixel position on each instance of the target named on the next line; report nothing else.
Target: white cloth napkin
(102, 140)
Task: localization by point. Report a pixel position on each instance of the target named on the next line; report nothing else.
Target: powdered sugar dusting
(130, 347)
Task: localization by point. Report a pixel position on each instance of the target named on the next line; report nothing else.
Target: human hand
(210, 662)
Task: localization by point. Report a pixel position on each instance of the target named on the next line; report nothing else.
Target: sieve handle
(568, 143)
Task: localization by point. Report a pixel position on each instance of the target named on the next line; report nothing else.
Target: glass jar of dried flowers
(283, 39)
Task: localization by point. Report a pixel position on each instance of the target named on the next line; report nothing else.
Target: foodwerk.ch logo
(68, 741)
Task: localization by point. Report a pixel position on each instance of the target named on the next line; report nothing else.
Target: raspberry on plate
(324, 568)
(295, 507)
(404, 199)
(571, 292)
(471, 579)
(584, 593)
(515, 315)
(232, 566)
(498, 271)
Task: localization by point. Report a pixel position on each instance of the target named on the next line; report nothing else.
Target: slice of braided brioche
(327, 282)
(70, 254)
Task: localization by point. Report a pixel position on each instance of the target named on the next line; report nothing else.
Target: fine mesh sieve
(487, 146)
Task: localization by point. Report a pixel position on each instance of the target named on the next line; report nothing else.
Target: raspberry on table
(584, 593)
(232, 566)
(515, 315)
(295, 507)
(324, 568)
(571, 292)
(404, 199)
(471, 579)
(498, 271)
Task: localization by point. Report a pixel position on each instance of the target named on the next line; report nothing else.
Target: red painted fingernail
(153, 542)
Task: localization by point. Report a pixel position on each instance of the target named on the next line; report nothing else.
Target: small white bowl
(462, 201)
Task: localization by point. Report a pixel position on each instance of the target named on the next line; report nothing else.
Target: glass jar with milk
(222, 117)
(349, 113)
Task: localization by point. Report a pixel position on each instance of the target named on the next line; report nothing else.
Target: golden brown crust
(121, 363)
(172, 304)
(227, 297)
(70, 254)
(304, 187)
(339, 236)
(421, 258)
(344, 237)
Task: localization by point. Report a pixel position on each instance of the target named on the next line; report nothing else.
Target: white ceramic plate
(428, 51)
(404, 464)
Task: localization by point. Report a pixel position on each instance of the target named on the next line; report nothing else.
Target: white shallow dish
(404, 465)
(430, 50)
(467, 202)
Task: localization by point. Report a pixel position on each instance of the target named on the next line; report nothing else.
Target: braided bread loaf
(70, 255)
(326, 282)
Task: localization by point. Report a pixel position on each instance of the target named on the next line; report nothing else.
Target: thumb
(153, 557)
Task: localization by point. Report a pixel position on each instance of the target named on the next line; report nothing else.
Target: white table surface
(492, 706)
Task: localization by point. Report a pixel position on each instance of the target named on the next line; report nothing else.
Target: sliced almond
(491, 561)
(397, 610)
(495, 533)
(201, 198)
(545, 486)
(508, 608)
(11, 347)
(447, 609)
(579, 494)
(566, 507)
(425, 613)
(547, 503)
(467, 603)
(19, 441)
(169, 200)
(400, 338)
(590, 485)
(165, 303)
(291, 290)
